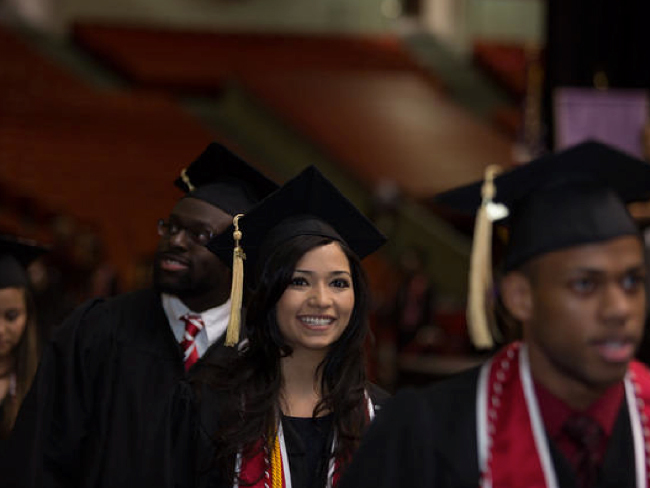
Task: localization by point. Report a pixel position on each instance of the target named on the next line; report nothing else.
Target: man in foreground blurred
(567, 406)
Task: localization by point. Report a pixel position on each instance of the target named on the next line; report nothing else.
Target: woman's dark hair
(26, 362)
(254, 380)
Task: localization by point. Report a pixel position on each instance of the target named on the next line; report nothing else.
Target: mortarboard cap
(15, 255)
(223, 179)
(573, 197)
(308, 204)
(570, 198)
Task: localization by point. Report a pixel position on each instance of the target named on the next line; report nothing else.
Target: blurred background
(103, 102)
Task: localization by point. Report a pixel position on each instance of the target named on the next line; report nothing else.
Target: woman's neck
(301, 387)
(7, 365)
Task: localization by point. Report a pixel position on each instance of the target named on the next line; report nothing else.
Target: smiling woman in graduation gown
(291, 404)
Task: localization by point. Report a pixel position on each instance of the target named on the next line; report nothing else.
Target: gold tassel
(480, 312)
(237, 287)
(186, 180)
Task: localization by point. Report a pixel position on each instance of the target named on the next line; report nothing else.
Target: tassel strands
(480, 313)
(237, 287)
(186, 180)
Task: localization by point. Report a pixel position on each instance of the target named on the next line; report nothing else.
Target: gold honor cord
(276, 464)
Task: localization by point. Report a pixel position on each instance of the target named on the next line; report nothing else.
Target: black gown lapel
(617, 470)
(144, 328)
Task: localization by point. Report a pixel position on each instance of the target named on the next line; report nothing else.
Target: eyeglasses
(198, 235)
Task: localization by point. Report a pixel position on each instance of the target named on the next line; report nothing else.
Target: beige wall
(262, 15)
(507, 20)
(459, 22)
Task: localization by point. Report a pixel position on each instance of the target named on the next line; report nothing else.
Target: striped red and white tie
(193, 325)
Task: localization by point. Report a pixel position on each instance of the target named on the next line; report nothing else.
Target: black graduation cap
(572, 197)
(308, 204)
(223, 179)
(569, 198)
(15, 255)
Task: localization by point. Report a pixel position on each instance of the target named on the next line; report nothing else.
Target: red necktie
(193, 325)
(587, 436)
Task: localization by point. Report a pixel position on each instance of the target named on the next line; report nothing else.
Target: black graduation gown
(193, 425)
(427, 438)
(97, 414)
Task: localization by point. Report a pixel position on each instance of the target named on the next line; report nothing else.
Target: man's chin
(171, 287)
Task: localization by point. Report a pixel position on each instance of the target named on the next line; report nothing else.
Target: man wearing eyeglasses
(192, 283)
(195, 286)
(96, 415)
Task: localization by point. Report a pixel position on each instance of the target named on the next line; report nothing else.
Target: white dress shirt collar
(215, 320)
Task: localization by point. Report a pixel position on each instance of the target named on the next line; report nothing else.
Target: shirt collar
(215, 319)
(604, 410)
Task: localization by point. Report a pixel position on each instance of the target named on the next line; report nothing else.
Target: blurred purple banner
(615, 117)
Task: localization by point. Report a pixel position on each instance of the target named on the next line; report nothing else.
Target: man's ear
(517, 295)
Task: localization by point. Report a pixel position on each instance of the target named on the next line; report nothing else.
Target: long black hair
(250, 384)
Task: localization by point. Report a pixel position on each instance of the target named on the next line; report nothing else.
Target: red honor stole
(512, 445)
(269, 467)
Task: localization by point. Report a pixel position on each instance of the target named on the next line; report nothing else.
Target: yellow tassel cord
(480, 312)
(276, 464)
(186, 180)
(237, 287)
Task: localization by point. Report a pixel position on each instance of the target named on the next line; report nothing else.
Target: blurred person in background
(18, 331)
(95, 276)
(51, 274)
(74, 270)
(414, 306)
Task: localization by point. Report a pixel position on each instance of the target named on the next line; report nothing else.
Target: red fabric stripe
(193, 325)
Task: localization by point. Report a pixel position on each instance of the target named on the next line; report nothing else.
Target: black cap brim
(223, 179)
